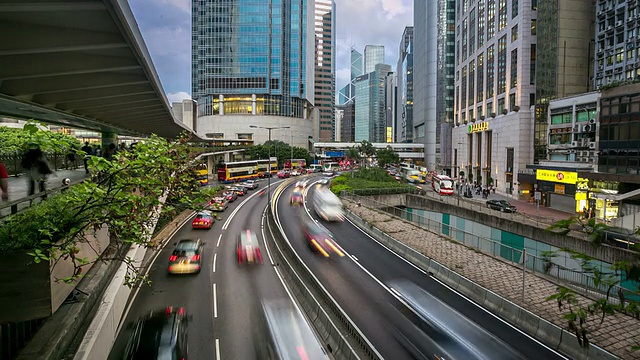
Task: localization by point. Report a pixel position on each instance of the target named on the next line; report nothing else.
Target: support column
(211, 167)
(221, 103)
(227, 157)
(109, 138)
(253, 104)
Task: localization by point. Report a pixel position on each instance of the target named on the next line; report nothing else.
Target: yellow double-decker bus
(202, 174)
(263, 167)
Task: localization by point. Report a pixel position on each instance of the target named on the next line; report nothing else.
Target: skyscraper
(373, 55)
(390, 94)
(325, 80)
(253, 65)
(348, 92)
(404, 111)
(370, 105)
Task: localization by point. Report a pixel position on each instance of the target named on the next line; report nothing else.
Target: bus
(283, 333)
(442, 184)
(328, 166)
(263, 167)
(295, 163)
(412, 175)
(238, 171)
(202, 174)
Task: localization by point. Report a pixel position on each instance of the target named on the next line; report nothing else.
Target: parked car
(240, 190)
(160, 334)
(203, 220)
(231, 196)
(251, 184)
(218, 204)
(283, 174)
(501, 205)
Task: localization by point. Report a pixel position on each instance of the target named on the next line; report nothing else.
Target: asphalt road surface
(360, 283)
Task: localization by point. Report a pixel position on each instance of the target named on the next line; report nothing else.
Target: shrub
(374, 174)
(337, 189)
(340, 180)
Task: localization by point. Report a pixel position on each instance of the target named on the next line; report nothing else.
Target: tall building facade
(348, 92)
(494, 78)
(403, 129)
(348, 122)
(390, 99)
(370, 107)
(325, 80)
(186, 112)
(253, 65)
(563, 57)
(373, 55)
(446, 56)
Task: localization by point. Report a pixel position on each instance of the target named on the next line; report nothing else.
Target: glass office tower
(252, 57)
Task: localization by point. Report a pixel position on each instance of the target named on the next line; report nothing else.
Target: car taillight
(173, 258)
(181, 311)
(169, 310)
(196, 258)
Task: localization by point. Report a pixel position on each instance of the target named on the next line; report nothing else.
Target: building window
(502, 64)
(245, 136)
(480, 80)
(490, 109)
(514, 8)
(490, 71)
(464, 39)
(479, 112)
(533, 26)
(532, 99)
(502, 14)
(620, 55)
(491, 19)
(463, 94)
(472, 31)
(514, 33)
(480, 24)
(472, 78)
(514, 68)
(512, 102)
(501, 105)
(532, 65)
(534, 4)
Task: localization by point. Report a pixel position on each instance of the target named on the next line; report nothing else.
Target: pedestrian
(71, 158)
(4, 183)
(88, 151)
(36, 167)
(109, 151)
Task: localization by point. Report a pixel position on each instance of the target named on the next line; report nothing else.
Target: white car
(324, 181)
(295, 172)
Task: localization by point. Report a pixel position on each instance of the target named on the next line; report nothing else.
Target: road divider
(338, 333)
(520, 319)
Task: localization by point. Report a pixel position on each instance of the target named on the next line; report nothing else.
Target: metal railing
(57, 161)
(581, 281)
(22, 204)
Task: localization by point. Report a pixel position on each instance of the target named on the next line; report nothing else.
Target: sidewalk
(18, 186)
(617, 334)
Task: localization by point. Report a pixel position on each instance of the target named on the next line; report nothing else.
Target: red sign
(560, 176)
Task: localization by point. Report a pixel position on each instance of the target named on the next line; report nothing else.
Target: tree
(14, 141)
(366, 148)
(387, 156)
(125, 194)
(353, 154)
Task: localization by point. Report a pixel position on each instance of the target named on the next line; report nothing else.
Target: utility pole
(269, 167)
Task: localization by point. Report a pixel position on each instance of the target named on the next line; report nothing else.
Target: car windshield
(316, 231)
(297, 193)
(183, 253)
(203, 217)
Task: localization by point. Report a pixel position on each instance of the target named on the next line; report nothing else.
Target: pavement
(617, 334)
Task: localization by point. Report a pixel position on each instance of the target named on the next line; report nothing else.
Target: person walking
(88, 151)
(4, 182)
(36, 167)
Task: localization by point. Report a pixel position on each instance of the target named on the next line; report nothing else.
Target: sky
(166, 28)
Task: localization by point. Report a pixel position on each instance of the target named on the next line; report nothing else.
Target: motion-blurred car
(328, 173)
(248, 249)
(218, 204)
(296, 196)
(320, 239)
(240, 190)
(324, 181)
(160, 334)
(185, 258)
(501, 205)
(327, 205)
(295, 172)
(231, 196)
(203, 220)
(283, 174)
(302, 183)
(251, 184)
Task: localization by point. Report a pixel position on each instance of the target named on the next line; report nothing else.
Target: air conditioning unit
(592, 145)
(580, 159)
(583, 142)
(619, 23)
(587, 128)
(592, 121)
(574, 143)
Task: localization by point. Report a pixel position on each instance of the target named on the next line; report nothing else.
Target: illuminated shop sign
(478, 127)
(389, 132)
(565, 177)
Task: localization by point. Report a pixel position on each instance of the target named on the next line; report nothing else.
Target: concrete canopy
(80, 64)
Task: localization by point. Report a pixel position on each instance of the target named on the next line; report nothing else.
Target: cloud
(179, 96)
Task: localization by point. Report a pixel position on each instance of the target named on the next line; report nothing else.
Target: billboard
(336, 154)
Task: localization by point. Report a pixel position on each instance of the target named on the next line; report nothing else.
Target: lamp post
(269, 166)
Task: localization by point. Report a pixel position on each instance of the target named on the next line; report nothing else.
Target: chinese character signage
(478, 127)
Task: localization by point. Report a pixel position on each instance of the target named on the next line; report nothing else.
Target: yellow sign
(565, 177)
(389, 132)
(478, 127)
(558, 189)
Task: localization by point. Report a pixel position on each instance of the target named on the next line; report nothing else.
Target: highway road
(224, 297)
(359, 281)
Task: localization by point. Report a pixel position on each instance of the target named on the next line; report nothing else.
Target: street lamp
(269, 166)
(291, 146)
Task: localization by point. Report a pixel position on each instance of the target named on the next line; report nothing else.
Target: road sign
(538, 195)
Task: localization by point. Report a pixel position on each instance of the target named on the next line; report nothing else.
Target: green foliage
(278, 149)
(387, 156)
(14, 141)
(124, 195)
(374, 174)
(337, 189)
(366, 148)
(366, 179)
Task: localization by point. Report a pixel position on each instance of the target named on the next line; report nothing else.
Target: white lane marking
(218, 243)
(215, 257)
(146, 271)
(215, 301)
(264, 239)
(455, 292)
(353, 257)
(217, 349)
(226, 223)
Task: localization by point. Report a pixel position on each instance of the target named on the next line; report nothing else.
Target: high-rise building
(370, 114)
(348, 123)
(185, 111)
(253, 65)
(373, 55)
(348, 92)
(563, 57)
(429, 113)
(390, 94)
(404, 110)
(339, 116)
(494, 78)
(325, 80)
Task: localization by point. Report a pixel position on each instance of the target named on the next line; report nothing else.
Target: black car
(186, 257)
(160, 334)
(501, 205)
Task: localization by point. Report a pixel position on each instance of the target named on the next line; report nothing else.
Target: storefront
(601, 206)
(562, 190)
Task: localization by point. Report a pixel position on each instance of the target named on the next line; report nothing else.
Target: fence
(581, 281)
(57, 162)
(20, 205)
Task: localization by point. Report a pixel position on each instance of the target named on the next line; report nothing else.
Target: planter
(493, 115)
(516, 108)
(504, 111)
(34, 289)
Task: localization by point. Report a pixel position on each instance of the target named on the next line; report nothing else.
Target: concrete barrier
(530, 323)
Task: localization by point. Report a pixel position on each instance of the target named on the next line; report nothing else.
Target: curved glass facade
(243, 104)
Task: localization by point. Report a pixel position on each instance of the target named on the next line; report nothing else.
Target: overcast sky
(166, 28)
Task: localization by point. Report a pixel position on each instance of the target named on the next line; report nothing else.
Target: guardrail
(20, 205)
(333, 326)
(533, 325)
(582, 282)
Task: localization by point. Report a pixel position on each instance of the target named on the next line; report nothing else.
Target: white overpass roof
(346, 145)
(81, 64)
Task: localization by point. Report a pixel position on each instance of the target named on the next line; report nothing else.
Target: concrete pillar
(109, 138)
(304, 112)
(227, 157)
(221, 102)
(253, 104)
(211, 166)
